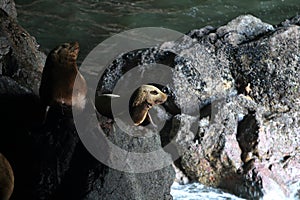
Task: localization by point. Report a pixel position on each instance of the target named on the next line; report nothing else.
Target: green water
(92, 21)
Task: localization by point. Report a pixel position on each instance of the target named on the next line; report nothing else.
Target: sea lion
(142, 100)
(58, 78)
(6, 179)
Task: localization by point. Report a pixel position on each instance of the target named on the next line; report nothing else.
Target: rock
(243, 29)
(65, 164)
(56, 162)
(181, 178)
(20, 113)
(292, 21)
(9, 7)
(240, 143)
(269, 65)
(19, 54)
(20, 106)
(239, 76)
(231, 119)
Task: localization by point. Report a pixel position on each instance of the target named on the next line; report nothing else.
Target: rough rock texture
(244, 79)
(19, 57)
(249, 143)
(10, 7)
(48, 159)
(154, 184)
(19, 113)
(231, 119)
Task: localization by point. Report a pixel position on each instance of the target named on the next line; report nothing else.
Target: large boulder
(19, 52)
(249, 141)
(10, 7)
(47, 157)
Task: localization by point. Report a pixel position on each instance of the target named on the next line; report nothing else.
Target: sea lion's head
(65, 53)
(144, 98)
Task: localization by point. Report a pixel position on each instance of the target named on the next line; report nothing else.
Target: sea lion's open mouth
(158, 102)
(142, 100)
(74, 47)
(149, 105)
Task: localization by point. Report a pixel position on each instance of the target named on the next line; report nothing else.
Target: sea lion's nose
(168, 92)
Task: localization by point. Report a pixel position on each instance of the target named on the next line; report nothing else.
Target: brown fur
(59, 76)
(143, 99)
(6, 179)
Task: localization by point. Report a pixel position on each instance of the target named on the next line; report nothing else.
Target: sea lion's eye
(154, 92)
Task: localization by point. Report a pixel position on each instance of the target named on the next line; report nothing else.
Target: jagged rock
(58, 166)
(243, 29)
(20, 112)
(270, 66)
(9, 6)
(242, 141)
(20, 56)
(232, 115)
(292, 21)
(181, 178)
(239, 76)
(19, 105)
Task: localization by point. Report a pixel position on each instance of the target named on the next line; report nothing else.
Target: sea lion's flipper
(148, 120)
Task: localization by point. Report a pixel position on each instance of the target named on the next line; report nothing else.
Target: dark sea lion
(6, 179)
(142, 100)
(58, 78)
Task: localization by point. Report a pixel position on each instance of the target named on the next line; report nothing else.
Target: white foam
(196, 191)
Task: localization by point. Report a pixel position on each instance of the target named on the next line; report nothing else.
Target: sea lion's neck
(67, 67)
(139, 112)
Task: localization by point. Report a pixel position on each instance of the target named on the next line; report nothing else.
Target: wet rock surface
(231, 119)
(20, 57)
(243, 79)
(9, 7)
(248, 133)
(47, 157)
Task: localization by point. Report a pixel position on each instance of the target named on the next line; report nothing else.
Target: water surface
(92, 21)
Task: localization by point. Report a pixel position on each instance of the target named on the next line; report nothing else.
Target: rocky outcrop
(20, 57)
(9, 7)
(248, 143)
(68, 170)
(242, 77)
(47, 157)
(231, 119)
